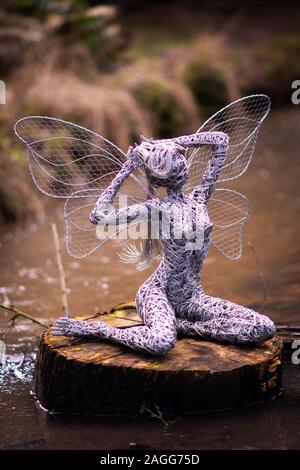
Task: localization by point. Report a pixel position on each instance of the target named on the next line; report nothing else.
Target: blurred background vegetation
(125, 68)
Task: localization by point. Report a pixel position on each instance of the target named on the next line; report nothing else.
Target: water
(29, 280)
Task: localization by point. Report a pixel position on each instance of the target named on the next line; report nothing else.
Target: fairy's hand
(101, 212)
(133, 161)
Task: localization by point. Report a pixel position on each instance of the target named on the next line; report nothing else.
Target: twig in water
(158, 414)
(18, 313)
(288, 328)
(261, 276)
(61, 271)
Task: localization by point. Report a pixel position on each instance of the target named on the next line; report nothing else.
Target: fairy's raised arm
(103, 213)
(130, 165)
(202, 138)
(218, 141)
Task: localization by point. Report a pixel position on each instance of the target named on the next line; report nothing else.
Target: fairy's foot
(66, 326)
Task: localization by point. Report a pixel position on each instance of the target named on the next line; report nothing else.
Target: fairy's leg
(156, 336)
(226, 321)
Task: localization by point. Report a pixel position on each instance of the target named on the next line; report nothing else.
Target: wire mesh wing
(69, 161)
(64, 157)
(241, 120)
(228, 211)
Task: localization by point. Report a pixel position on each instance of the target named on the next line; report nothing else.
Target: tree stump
(101, 378)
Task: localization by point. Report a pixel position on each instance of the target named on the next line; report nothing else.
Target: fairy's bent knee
(264, 329)
(162, 344)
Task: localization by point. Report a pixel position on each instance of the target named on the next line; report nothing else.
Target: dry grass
(150, 97)
(109, 111)
(208, 70)
(165, 100)
(18, 199)
(271, 69)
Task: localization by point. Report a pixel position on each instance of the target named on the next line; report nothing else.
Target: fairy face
(165, 164)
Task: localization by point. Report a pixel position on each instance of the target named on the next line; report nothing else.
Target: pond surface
(265, 278)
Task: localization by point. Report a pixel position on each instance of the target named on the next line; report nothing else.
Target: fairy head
(165, 164)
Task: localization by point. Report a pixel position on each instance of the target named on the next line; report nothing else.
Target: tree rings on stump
(101, 378)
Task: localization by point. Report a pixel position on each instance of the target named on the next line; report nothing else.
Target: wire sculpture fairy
(69, 161)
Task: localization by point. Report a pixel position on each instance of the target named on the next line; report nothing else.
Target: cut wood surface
(102, 378)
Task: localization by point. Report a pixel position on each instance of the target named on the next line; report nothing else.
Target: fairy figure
(69, 161)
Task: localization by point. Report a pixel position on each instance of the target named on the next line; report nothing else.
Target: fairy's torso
(185, 230)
